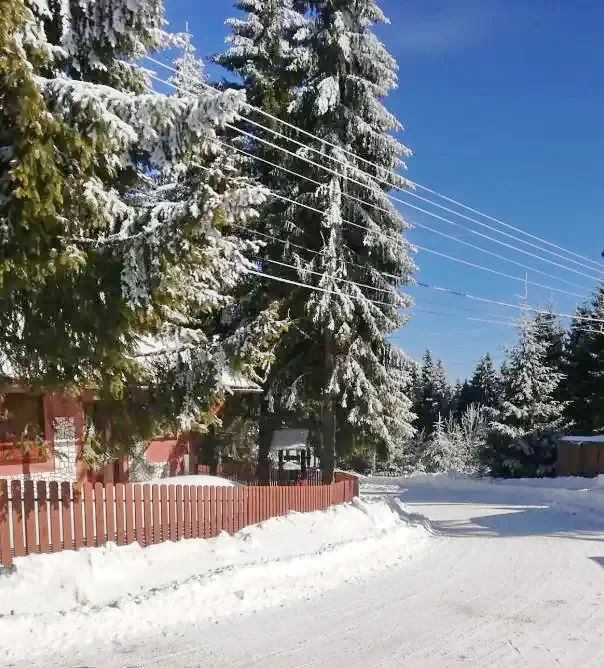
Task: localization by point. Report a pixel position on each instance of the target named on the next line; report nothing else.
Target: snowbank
(198, 480)
(572, 494)
(119, 592)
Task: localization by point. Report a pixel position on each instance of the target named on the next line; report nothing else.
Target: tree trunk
(267, 425)
(214, 451)
(328, 418)
(328, 440)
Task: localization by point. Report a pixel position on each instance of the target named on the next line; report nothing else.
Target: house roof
(239, 384)
(233, 381)
(584, 439)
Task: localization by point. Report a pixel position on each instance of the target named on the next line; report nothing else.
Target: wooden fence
(48, 518)
(586, 459)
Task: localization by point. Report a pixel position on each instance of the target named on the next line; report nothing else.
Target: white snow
(507, 573)
(54, 603)
(584, 439)
(197, 480)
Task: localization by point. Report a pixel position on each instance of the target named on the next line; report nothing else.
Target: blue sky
(503, 106)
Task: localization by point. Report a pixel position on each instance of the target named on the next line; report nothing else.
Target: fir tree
(335, 360)
(522, 438)
(190, 71)
(485, 384)
(94, 256)
(467, 397)
(442, 391)
(265, 51)
(584, 387)
(440, 453)
(433, 395)
(551, 331)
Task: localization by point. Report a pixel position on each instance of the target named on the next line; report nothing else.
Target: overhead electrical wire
(485, 300)
(397, 240)
(598, 265)
(527, 308)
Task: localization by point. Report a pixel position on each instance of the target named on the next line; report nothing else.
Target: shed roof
(599, 438)
(289, 439)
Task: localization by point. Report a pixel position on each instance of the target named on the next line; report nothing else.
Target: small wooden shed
(580, 455)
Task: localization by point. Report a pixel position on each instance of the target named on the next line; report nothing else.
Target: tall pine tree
(584, 387)
(94, 256)
(522, 436)
(336, 361)
(485, 384)
(189, 69)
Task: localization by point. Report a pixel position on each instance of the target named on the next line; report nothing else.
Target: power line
(410, 282)
(485, 300)
(393, 239)
(388, 195)
(405, 203)
(424, 199)
(325, 142)
(499, 273)
(500, 303)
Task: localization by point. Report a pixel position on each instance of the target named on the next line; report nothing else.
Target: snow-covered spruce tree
(442, 389)
(440, 454)
(329, 72)
(348, 362)
(113, 258)
(522, 438)
(190, 70)
(456, 444)
(485, 383)
(265, 51)
(433, 395)
(551, 331)
(584, 366)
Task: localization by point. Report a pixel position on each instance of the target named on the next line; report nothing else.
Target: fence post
(110, 512)
(6, 557)
(156, 508)
(138, 515)
(89, 514)
(165, 516)
(66, 515)
(193, 491)
(29, 505)
(17, 519)
(120, 509)
(55, 526)
(42, 519)
(78, 517)
(99, 514)
(180, 530)
(147, 515)
(129, 513)
(186, 494)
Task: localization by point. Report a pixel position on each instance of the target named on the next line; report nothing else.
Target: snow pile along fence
(49, 518)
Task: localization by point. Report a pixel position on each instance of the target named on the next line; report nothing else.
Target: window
(21, 423)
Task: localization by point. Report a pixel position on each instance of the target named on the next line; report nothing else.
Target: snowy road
(514, 577)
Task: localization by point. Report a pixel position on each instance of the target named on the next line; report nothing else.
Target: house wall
(62, 433)
(161, 458)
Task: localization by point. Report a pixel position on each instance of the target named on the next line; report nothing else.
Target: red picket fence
(48, 518)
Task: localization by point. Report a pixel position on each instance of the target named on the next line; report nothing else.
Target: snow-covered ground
(507, 573)
(55, 603)
(200, 480)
